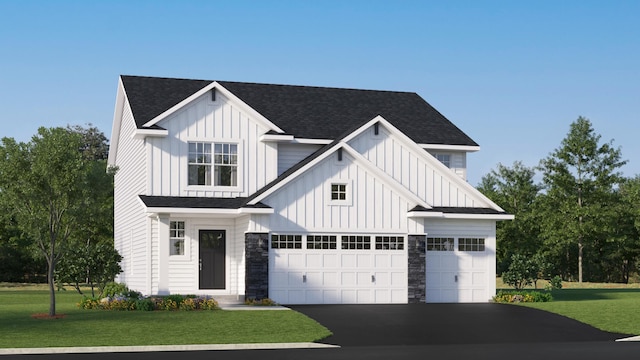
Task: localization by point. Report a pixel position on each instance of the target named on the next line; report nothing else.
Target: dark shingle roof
(197, 202)
(305, 111)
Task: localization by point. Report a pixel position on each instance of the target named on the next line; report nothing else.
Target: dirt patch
(46, 316)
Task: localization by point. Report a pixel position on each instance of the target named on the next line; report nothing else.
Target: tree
(43, 181)
(92, 258)
(579, 178)
(515, 190)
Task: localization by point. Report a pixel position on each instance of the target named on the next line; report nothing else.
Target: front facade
(304, 195)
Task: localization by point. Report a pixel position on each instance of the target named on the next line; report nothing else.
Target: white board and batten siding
(416, 169)
(372, 206)
(456, 275)
(130, 231)
(209, 121)
(291, 154)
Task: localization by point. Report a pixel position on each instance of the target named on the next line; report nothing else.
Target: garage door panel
(348, 278)
(382, 278)
(314, 260)
(295, 278)
(382, 261)
(330, 279)
(330, 260)
(348, 260)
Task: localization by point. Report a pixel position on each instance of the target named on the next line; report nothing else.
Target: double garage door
(334, 269)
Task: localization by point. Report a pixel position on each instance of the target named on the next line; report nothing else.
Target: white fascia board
(425, 214)
(215, 85)
(437, 164)
(312, 141)
(364, 162)
(143, 133)
(245, 210)
(208, 211)
(479, 216)
(116, 124)
(441, 215)
(467, 148)
(276, 138)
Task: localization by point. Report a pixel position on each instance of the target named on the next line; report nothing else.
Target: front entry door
(212, 259)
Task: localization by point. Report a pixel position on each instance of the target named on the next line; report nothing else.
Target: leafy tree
(92, 258)
(95, 264)
(42, 182)
(579, 178)
(515, 190)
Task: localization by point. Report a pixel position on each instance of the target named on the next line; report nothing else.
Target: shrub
(89, 303)
(260, 302)
(522, 296)
(112, 289)
(145, 305)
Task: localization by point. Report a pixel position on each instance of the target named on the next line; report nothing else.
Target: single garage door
(337, 269)
(456, 270)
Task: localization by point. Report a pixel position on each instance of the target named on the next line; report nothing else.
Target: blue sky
(512, 74)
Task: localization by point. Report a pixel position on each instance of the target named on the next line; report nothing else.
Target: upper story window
(213, 164)
(445, 159)
(338, 191)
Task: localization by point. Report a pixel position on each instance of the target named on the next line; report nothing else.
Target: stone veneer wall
(256, 265)
(417, 269)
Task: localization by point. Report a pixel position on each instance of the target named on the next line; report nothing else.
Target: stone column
(417, 268)
(256, 279)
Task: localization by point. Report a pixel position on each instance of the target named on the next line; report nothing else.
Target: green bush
(522, 296)
(112, 289)
(145, 305)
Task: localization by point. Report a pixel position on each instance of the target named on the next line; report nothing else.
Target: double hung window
(213, 164)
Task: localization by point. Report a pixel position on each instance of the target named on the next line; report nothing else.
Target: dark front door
(212, 259)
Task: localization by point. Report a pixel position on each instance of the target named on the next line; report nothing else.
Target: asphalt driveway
(440, 324)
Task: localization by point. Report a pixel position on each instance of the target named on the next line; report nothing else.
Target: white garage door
(334, 269)
(456, 270)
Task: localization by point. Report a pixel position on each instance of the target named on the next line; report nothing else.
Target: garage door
(337, 269)
(456, 270)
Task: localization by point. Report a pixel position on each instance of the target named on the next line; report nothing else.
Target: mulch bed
(46, 316)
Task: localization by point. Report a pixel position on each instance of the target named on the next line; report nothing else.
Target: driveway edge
(161, 348)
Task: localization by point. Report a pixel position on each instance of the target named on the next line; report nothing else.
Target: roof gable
(304, 111)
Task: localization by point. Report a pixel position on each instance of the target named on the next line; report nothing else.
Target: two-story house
(305, 195)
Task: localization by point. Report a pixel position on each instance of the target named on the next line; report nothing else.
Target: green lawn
(112, 328)
(609, 307)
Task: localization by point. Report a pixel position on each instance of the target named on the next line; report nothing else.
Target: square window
(338, 191)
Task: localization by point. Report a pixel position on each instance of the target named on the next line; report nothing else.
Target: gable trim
(445, 171)
(214, 85)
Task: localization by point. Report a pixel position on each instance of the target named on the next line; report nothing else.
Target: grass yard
(609, 307)
(112, 328)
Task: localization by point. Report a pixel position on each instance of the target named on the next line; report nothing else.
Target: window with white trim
(389, 242)
(439, 244)
(356, 242)
(445, 159)
(176, 238)
(339, 192)
(286, 241)
(322, 242)
(213, 164)
(470, 244)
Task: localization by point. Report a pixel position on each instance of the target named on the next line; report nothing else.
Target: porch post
(163, 254)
